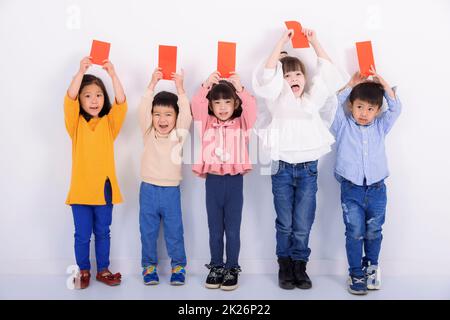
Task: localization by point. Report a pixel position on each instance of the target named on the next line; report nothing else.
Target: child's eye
(299, 73)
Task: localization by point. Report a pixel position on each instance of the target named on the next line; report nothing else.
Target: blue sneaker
(357, 285)
(178, 276)
(373, 276)
(150, 275)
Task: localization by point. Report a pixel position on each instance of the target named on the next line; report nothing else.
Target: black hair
(89, 79)
(292, 64)
(224, 90)
(166, 99)
(371, 92)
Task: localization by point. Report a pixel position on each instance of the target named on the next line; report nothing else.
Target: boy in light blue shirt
(360, 127)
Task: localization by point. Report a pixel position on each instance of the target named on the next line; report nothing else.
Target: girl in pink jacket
(224, 113)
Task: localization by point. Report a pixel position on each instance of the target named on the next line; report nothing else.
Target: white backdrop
(42, 42)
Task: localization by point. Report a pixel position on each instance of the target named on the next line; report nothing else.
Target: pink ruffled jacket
(224, 144)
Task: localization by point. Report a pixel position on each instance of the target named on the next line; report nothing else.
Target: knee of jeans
(82, 238)
(283, 227)
(232, 235)
(102, 234)
(373, 235)
(354, 230)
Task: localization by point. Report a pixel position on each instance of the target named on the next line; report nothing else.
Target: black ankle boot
(286, 278)
(301, 277)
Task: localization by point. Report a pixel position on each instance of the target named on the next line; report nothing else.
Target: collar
(217, 124)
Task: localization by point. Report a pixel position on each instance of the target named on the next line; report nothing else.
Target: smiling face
(364, 112)
(223, 109)
(92, 99)
(296, 80)
(164, 119)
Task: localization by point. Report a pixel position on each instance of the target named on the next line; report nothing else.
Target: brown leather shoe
(109, 278)
(85, 276)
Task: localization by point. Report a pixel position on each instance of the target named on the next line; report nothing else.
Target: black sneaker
(215, 277)
(302, 280)
(230, 279)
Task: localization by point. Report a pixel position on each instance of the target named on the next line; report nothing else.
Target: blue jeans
(224, 202)
(294, 188)
(88, 218)
(161, 203)
(364, 209)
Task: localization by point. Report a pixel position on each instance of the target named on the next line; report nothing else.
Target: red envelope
(226, 58)
(167, 61)
(99, 51)
(299, 40)
(365, 57)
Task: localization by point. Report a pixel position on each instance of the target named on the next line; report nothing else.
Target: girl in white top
(297, 137)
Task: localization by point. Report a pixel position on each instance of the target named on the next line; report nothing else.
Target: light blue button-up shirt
(360, 149)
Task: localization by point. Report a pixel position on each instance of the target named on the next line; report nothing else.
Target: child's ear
(349, 106)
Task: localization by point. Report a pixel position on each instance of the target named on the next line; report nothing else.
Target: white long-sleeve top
(298, 131)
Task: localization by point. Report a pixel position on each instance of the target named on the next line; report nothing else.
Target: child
(226, 113)
(164, 119)
(93, 125)
(361, 167)
(297, 137)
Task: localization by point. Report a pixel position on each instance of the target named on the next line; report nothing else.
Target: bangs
(292, 64)
(221, 91)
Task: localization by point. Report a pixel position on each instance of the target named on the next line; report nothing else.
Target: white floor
(252, 287)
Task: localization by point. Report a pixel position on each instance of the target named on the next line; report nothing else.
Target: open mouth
(94, 108)
(223, 114)
(295, 88)
(163, 126)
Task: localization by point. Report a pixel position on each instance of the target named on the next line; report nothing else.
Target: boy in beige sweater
(164, 119)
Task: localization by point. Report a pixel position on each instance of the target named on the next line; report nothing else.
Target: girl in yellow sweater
(93, 124)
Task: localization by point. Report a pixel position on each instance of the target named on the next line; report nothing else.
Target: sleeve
(325, 83)
(268, 83)
(389, 117)
(184, 119)
(145, 111)
(200, 106)
(116, 117)
(342, 97)
(71, 115)
(249, 109)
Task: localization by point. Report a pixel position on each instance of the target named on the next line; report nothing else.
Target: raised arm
(71, 104)
(275, 56)
(200, 102)
(145, 106)
(75, 85)
(342, 97)
(311, 35)
(119, 108)
(117, 86)
(248, 101)
(389, 117)
(184, 116)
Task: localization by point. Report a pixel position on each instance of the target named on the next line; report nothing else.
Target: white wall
(40, 48)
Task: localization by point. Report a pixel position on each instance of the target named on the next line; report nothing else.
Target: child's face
(364, 112)
(223, 109)
(296, 80)
(164, 119)
(92, 99)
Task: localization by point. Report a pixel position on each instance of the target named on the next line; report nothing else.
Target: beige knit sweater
(162, 156)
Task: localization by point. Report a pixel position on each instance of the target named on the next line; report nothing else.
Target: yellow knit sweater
(92, 153)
